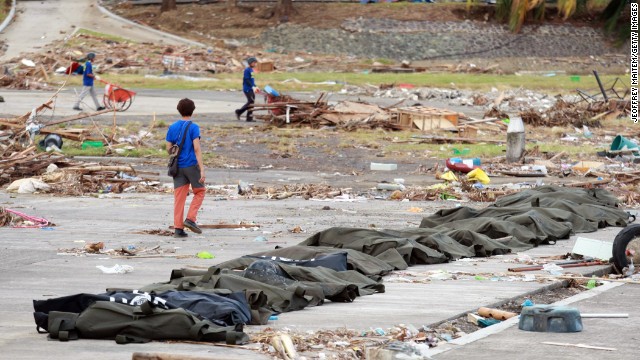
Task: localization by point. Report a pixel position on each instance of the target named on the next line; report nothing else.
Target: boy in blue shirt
(190, 169)
(249, 89)
(87, 84)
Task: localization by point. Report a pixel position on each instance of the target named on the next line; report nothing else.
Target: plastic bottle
(591, 284)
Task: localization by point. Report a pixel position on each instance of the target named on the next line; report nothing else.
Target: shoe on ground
(237, 115)
(100, 108)
(192, 226)
(250, 120)
(77, 108)
(180, 233)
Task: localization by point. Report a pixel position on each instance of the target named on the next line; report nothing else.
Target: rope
(37, 222)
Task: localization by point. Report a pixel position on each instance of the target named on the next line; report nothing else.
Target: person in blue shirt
(87, 84)
(190, 169)
(249, 89)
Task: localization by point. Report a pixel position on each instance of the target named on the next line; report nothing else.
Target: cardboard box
(265, 66)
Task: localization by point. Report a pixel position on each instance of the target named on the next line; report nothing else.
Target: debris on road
(16, 219)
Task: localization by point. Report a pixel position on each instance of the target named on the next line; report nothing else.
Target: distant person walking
(249, 89)
(87, 84)
(190, 169)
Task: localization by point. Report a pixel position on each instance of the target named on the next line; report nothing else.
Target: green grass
(100, 35)
(74, 148)
(5, 6)
(477, 82)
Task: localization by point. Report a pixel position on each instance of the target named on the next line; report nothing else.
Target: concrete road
(38, 23)
(33, 267)
(145, 103)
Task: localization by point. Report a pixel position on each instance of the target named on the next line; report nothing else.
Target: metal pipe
(604, 93)
(562, 265)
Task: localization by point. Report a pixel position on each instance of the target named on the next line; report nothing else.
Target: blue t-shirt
(187, 156)
(88, 69)
(248, 82)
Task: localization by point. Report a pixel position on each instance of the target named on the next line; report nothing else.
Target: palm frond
(517, 15)
(566, 8)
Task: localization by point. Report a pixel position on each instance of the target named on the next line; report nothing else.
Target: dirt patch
(461, 325)
(220, 21)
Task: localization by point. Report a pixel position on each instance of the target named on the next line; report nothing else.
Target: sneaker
(192, 226)
(77, 108)
(100, 108)
(250, 120)
(179, 233)
(238, 115)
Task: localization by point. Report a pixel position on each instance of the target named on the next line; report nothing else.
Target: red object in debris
(405, 86)
(269, 99)
(461, 167)
(72, 68)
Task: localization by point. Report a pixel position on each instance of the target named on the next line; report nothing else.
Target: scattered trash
(379, 331)
(205, 255)
(284, 346)
(550, 318)
(592, 248)
(527, 302)
(478, 175)
(260, 239)
(583, 346)
(296, 230)
(116, 269)
(495, 313)
(28, 186)
(463, 165)
(552, 269)
(18, 219)
(448, 176)
(94, 248)
(390, 187)
(487, 322)
(383, 167)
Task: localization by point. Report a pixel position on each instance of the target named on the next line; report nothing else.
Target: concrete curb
(494, 329)
(146, 28)
(9, 17)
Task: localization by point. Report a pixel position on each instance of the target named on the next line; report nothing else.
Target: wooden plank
(166, 356)
(579, 346)
(225, 226)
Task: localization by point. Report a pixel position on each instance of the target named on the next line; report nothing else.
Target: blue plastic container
(271, 91)
(475, 161)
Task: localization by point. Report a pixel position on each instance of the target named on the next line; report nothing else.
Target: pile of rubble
(347, 115)
(120, 56)
(30, 170)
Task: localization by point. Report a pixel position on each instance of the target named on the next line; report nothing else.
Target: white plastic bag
(116, 269)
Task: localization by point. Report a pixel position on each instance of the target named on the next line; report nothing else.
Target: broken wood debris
(349, 115)
(20, 158)
(225, 226)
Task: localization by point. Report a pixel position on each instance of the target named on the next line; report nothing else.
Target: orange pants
(180, 198)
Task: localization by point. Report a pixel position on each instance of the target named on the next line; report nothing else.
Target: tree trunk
(284, 8)
(232, 4)
(168, 5)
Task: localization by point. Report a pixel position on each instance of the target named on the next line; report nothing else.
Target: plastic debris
(552, 269)
(478, 175)
(115, 269)
(449, 176)
(205, 255)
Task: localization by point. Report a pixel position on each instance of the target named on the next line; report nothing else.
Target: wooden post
(515, 140)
